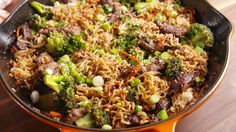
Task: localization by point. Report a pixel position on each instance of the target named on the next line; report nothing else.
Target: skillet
(217, 65)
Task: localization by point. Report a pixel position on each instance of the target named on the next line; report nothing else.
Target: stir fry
(111, 63)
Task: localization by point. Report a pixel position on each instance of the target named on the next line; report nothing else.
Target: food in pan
(111, 63)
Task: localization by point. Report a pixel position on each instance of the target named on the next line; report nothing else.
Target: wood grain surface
(216, 115)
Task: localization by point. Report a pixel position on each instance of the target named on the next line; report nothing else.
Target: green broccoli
(42, 9)
(38, 22)
(129, 29)
(86, 121)
(69, 68)
(174, 67)
(101, 117)
(107, 8)
(125, 42)
(76, 42)
(132, 94)
(129, 3)
(200, 35)
(57, 43)
(61, 84)
(141, 7)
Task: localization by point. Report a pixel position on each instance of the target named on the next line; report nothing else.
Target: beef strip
(164, 103)
(75, 114)
(21, 45)
(183, 81)
(147, 46)
(45, 61)
(158, 65)
(125, 72)
(26, 31)
(172, 29)
(133, 119)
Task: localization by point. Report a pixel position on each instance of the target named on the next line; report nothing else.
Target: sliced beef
(125, 72)
(142, 43)
(183, 81)
(158, 65)
(26, 32)
(21, 45)
(75, 114)
(172, 29)
(164, 103)
(45, 61)
(134, 120)
(153, 118)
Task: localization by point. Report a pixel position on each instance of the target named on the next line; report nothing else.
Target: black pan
(206, 14)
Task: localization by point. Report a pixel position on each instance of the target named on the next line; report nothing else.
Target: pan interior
(206, 14)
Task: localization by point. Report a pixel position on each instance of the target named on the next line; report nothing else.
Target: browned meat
(44, 58)
(147, 46)
(172, 29)
(26, 32)
(183, 81)
(125, 72)
(163, 103)
(64, 1)
(75, 114)
(119, 125)
(134, 120)
(45, 61)
(21, 45)
(153, 118)
(158, 65)
(114, 17)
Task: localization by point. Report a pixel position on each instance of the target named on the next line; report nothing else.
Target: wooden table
(216, 115)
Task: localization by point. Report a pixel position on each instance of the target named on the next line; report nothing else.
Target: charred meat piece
(158, 65)
(26, 32)
(21, 45)
(45, 62)
(134, 120)
(142, 43)
(75, 114)
(183, 81)
(125, 72)
(164, 103)
(172, 29)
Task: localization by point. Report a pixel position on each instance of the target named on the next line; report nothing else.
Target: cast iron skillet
(218, 62)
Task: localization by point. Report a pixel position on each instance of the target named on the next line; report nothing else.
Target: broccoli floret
(200, 35)
(129, 28)
(107, 8)
(86, 121)
(174, 67)
(76, 42)
(42, 9)
(101, 117)
(54, 82)
(132, 94)
(69, 68)
(125, 42)
(61, 84)
(57, 43)
(142, 7)
(129, 3)
(38, 22)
